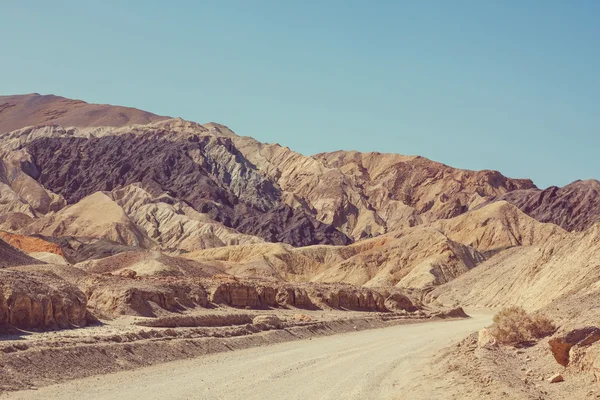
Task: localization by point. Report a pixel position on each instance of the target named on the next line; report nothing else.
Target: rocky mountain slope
(206, 172)
(367, 194)
(149, 200)
(575, 207)
(562, 267)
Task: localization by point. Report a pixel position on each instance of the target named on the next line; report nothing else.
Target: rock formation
(34, 300)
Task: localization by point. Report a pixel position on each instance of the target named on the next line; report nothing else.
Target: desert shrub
(514, 326)
(541, 326)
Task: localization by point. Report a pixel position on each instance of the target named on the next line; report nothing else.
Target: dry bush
(541, 326)
(513, 325)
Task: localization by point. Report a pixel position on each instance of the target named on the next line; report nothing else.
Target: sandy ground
(388, 363)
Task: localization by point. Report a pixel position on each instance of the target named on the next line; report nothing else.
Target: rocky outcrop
(33, 300)
(290, 296)
(112, 297)
(311, 296)
(398, 301)
(239, 294)
(351, 298)
(561, 345)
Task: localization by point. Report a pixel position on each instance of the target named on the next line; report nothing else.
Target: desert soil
(386, 363)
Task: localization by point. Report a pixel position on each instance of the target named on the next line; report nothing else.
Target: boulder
(485, 339)
(556, 378)
(457, 312)
(561, 345)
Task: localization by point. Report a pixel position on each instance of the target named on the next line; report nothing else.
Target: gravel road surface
(388, 363)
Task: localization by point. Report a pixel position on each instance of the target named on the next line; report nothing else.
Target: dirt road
(389, 363)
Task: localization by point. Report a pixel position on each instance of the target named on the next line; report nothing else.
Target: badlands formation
(139, 227)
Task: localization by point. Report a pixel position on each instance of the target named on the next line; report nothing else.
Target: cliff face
(34, 300)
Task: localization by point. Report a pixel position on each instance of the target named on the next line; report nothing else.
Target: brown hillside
(19, 111)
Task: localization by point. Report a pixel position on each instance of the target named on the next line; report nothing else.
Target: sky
(507, 85)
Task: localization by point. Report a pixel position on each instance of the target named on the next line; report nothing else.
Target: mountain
(367, 194)
(261, 190)
(418, 257)
(179, 186)
(100, 181)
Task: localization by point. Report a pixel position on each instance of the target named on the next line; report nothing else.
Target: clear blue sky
(506, 85)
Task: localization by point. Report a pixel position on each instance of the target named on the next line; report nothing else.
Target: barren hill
(201, 169)
(96, 216)
(562, 267)
(19, 111)
(497, 226)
